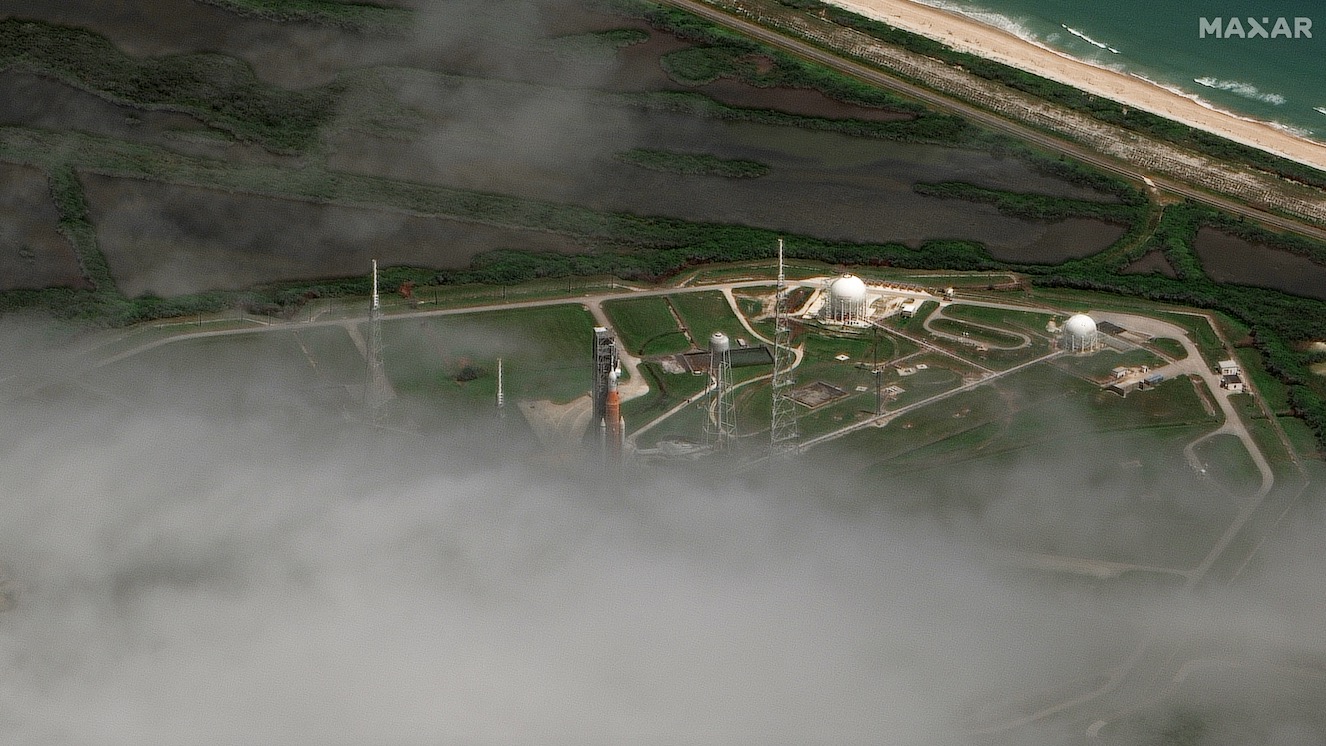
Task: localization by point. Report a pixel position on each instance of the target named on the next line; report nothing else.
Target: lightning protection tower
(377, 391)
(721, 424)
(783, 433)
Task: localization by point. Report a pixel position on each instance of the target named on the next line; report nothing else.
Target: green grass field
(666, 390)
(310, 372)
(1171, 347)
(1300, 436)
(1270, 388)
(643, 323)
(993, 358)
(992, 337)
(545, 351)
(1028, 321)
(707, 312)
(1201, 333)
(1045, 437)
(1228, 464)
(1099, 364)
(861, 348)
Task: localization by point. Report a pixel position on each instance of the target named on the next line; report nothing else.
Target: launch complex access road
(95, 357)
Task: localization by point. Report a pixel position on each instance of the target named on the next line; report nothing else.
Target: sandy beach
(968, 35)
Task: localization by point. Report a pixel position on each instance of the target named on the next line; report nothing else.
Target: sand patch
(555, 424)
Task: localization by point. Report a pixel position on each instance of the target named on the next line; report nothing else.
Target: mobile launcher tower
(606, 412)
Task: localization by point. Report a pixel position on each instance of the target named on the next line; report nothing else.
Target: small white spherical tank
(719, 343)
(847, 299)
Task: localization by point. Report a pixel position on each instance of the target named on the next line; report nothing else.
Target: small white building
(1228, 368)
(909, 308)
(1232, 383)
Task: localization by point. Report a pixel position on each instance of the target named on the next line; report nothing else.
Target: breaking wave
(1246, 90)
(1088, 39)
(987, 17)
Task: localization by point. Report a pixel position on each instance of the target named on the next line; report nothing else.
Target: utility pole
(874, 367)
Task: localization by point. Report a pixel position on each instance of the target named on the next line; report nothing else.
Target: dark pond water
(554, 141)
(559, 146)
(168, 240)
(499, 37)
(1229, 259)
(1059, 242)
(1153, 261)
(33, 254)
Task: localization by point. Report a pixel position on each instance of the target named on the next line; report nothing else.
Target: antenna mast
(377, 389)
(783, 434)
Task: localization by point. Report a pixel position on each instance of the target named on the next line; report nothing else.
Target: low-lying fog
(220, 561)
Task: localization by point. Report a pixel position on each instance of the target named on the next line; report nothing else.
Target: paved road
(590, 301)
(939, 314)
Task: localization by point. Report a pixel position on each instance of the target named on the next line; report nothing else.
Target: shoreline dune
(968, 35)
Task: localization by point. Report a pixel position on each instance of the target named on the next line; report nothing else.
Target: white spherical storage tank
(1079, 333)
(846, 302)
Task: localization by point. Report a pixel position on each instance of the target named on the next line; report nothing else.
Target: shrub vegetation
(358, 16)
(688, 164)
(220, 91)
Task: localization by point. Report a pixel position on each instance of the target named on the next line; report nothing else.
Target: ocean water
(1278, 80)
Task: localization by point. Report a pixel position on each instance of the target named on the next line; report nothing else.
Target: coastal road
(943, 102)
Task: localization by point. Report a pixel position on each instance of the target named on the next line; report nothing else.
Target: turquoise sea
(1279, 80)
